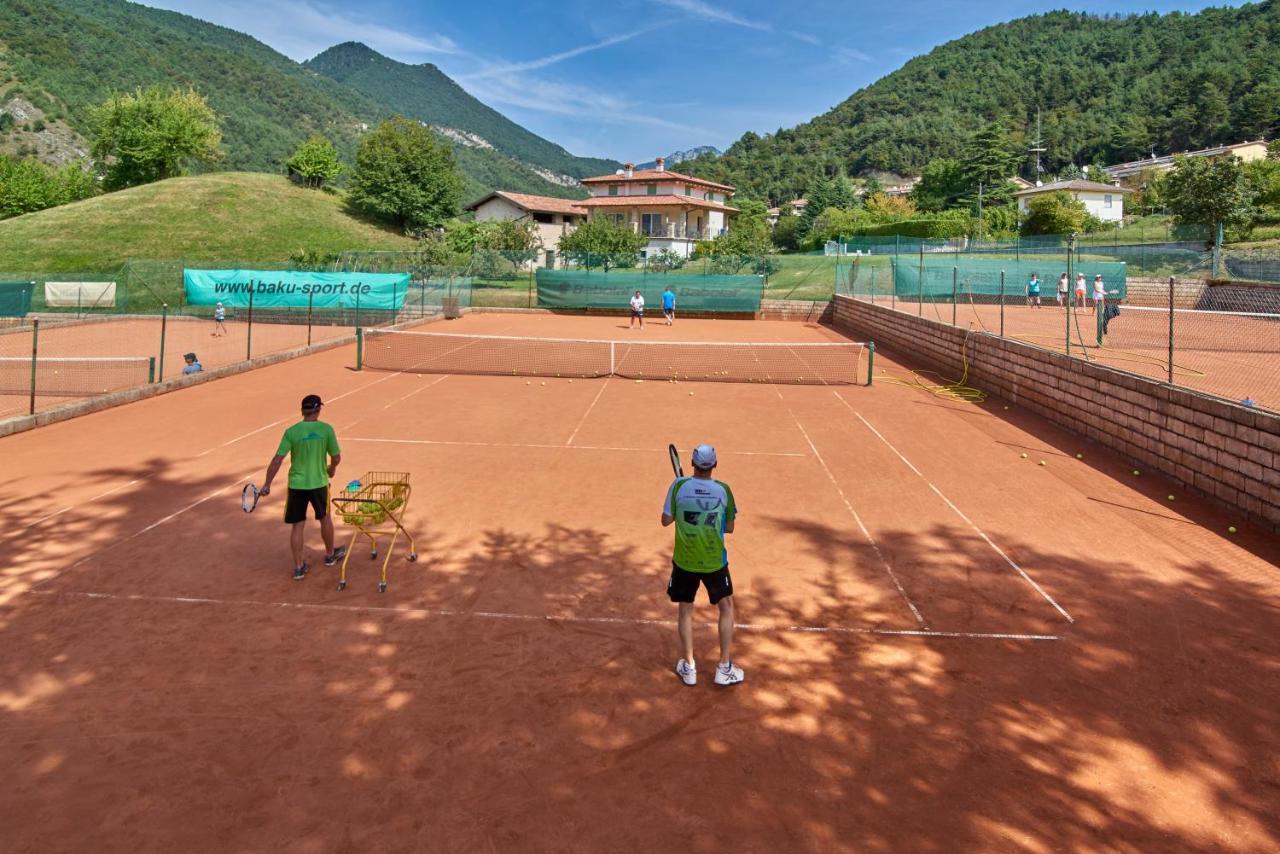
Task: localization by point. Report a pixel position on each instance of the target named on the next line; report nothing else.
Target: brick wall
(1224, 451)
(785, 309)
(1187, 293)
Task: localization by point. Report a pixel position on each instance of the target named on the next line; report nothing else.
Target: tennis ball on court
(1079, 456)
(1043, 463)
(526, 382)
(1006, 407)
(690, 394)
(1136, 472)
(639, 381)
(1024, 456)
(1171, 498)
(1231, 530)
(544, 382)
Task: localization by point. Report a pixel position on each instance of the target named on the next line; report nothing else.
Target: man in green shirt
(703, 511)
(314, 455)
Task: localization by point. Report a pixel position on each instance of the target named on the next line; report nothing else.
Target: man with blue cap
(703, 511)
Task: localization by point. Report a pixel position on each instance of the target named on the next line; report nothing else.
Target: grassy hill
(226, 217)
(425, 93)
(1109, 89)
(65, 56)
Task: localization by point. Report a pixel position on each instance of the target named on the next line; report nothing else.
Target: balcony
(677, 232)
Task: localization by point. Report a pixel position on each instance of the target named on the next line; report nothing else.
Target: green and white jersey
(309, 445)
(700, 507)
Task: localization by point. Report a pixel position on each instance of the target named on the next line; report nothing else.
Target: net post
(311, 296)
(359, 349)
(164, 323)
(611, 357)
(248, 340)
(1171, 281)
(357, 308)
(151, 369)
(871, 360)
(35, 351)
(1002, 303)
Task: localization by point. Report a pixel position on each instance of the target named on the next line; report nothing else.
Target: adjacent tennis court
(947, 645)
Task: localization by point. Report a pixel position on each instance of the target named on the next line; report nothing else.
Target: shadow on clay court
(450, 714)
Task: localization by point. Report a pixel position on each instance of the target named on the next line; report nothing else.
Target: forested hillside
(64, 56)
(1109, 89)
(425, 93)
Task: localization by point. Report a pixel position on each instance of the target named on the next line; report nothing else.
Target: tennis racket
(675, 461)
(249, 498)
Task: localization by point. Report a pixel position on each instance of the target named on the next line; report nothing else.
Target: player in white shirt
(1099, 293)
(637, 310)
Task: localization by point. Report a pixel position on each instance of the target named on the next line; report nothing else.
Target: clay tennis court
(947, 646)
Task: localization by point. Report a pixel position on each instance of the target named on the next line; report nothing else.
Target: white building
(554, 217)
(1104, 201)
(674, 211)
(1244, 151)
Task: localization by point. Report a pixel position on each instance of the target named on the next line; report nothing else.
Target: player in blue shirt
(669, 305)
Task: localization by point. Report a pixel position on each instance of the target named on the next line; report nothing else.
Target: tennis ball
(544, 382)
(1136, 472)
(1079, 456)
(1171, 498)
(1024, 456)
(1006, 407)
(1231, 530)
(1043, 463)
(526, 382)
(639, 381)
(690, 394)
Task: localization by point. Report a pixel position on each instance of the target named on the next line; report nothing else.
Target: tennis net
(74, 377)
(838, 363)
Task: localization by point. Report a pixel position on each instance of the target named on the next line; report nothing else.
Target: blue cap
(704, 457)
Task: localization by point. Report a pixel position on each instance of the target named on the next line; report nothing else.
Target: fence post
(532, 273)
(151, 369)
(35, 351)
(164, 323)
(1002, 303)
(920, 306)
(1070, 288)
(871, 360)
(955, 278)
(248, 340)
(359, 349)
(1171, 280)
(311, 298)
(357, 308)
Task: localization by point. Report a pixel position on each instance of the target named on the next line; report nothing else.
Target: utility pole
(1037, 148)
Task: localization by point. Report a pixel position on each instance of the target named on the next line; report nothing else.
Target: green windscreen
(582, 289)
(15, 298)
(979, 280)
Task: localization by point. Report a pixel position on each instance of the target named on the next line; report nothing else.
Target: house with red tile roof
(672, 210)
(552, 217)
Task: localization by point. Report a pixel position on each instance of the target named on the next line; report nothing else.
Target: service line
(551, 618)
(1018, 569)
(554, 447)
(583, 419)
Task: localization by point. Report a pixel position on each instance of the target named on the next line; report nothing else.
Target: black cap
(311, 403)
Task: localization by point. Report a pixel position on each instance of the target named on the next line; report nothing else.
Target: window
(651, 189)
(1106, 200)
(618, 219)
(613, 189)
(688, 191)
(543, 217)
(651, 224)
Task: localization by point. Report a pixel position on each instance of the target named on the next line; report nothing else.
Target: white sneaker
(687, 673)
(728, 674)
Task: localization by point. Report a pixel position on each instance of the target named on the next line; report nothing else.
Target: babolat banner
(296, 289)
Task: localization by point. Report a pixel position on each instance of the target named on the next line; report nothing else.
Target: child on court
(1099, 293)
(703, 511)
(1062, 290)
(637, 310)
(1033, 290)
(312, 447)
(193, 365)
(669, 305)
(1080, 291)
(219, 320)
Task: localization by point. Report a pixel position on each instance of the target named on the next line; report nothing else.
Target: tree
(987, 162)
(153, 134)
(404, 174)
(29, 185)
(834, 192)
(786, 232)
(1212, 192)
(1054, 213)
(603, 242)
(315, 161)
(834, 223)
(1264, 182)
(941, 186)
(885, 208)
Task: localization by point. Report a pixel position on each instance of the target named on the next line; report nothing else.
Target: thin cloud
(534, 64)
(849, 55)
(707, 12)
(300, 29)
(804, 37)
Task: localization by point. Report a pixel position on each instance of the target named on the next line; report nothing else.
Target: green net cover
(15, 298)
(581, 289)
(979, 279)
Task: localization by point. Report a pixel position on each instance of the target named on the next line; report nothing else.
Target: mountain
(425, 93)
(1109, 89)
(60, 57)
(681, 156)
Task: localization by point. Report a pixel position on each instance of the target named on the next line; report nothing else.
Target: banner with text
(296, 289)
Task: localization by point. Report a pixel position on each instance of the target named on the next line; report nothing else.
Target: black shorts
(639, 314)
(295, 506)
(683, 586)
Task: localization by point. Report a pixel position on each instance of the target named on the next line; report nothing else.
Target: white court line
(555, 447)
(117, 543)
(583, 419)
(553, 618)
(958, 512)
(915, 612)
(73, 506)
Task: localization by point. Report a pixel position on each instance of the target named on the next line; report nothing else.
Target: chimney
(628, 169)
(662, 164)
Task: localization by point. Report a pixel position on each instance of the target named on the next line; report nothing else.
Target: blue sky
(632, 79)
